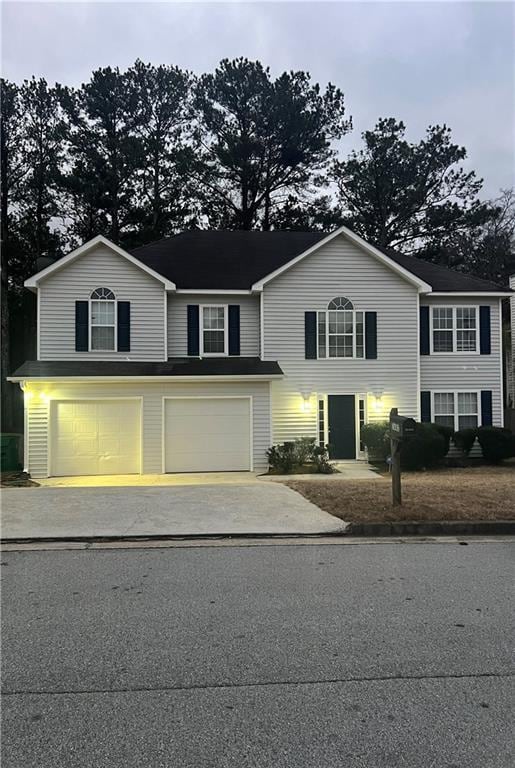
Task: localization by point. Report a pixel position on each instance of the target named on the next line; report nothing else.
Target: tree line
(140, 154)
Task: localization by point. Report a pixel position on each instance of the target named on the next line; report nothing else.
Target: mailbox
(401, 427)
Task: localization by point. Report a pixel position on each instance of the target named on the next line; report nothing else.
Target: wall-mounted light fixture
(306, 402)
(377, 404)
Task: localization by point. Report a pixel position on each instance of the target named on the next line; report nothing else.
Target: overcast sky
(422, 62)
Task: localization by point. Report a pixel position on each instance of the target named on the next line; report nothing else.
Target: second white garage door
(207, 434)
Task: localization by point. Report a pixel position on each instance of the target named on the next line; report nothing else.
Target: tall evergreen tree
(40, 208)
(12, 171)
(261, 140)
(105, 155)
(160, 111)
(408, 195)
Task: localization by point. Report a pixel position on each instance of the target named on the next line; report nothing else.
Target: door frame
(360, 452)
(51, 410)
(207, 397)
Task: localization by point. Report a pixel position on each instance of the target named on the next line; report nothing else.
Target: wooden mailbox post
(401, 429)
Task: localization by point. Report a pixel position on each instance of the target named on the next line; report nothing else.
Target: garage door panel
(95, 437)
(207, 435)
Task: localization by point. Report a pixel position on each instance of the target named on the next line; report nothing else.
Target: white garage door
(95, 437)
(207, 434)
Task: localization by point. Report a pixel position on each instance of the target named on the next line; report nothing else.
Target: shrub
(464, 439)
(298, 454)
(320, 460)
(425, 449)
(496, 443)
(376, 437)
(303, 449)
(447, 433)
(282, 457)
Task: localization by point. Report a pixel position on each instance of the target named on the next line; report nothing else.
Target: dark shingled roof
(237, 259)
(214, 366)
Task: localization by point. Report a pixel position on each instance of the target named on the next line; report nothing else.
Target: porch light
(378, 398)
(306, 404)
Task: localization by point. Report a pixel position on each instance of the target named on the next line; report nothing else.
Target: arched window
(340, 302)
(340, 330)
(102, 319)
(103, 293)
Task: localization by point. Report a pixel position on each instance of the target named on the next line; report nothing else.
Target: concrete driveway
(257, 508)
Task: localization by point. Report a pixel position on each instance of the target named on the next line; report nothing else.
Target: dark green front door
(342, 426)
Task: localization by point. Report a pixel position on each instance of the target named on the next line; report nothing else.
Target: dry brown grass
(479, 493)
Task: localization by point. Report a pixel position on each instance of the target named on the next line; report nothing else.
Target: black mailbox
(402, 427)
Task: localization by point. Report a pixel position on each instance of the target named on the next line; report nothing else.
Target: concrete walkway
(256, 508)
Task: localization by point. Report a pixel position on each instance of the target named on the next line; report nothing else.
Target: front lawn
(473, 493)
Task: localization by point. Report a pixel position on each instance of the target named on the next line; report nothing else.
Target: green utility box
(10, 452)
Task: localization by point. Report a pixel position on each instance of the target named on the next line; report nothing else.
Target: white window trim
(115, 325)
(455, 350)
(455, 393)
(225, 353)
(354, 356)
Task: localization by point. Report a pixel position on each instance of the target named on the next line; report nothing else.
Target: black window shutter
(81, 326)
(371, 335)
(486, 408)
(193, 330)
(310, 335)
(424, 330)
(124, 326)
(484, 330)
(234, 329)
(425, 406)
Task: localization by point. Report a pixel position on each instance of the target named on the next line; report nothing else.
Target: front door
(342, 426)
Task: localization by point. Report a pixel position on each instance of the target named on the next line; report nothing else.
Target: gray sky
(421, 62)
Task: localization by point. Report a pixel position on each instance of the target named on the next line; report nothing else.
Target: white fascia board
(422, 286)
(121, 379)
(215, 291)
(32, 282)
(466, 294)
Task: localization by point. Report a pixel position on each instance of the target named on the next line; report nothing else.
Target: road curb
(434, 528)
(348, 530)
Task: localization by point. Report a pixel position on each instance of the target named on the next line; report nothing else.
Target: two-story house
(198, 352)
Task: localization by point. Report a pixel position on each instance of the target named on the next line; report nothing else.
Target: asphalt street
(364, 656)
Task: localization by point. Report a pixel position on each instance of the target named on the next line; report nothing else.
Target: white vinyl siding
(39, 405)
(178, 321)
(75, 282)
(340, 269)
(466, 372)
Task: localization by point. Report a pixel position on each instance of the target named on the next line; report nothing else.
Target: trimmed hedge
(496, 444)
(376, 438)
(464, 439)
(426, 449)
(447, 433)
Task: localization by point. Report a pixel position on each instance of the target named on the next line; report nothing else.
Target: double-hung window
(213, 330)
(340, 330)
(102, 320)
(454, 329)
(458, 410)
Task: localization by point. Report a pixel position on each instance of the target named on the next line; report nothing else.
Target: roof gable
(33, 282)
(407, 275)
